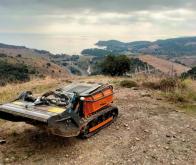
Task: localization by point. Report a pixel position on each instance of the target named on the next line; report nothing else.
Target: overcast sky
(125, 20)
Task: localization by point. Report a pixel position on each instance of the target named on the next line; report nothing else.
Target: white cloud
(105, 19)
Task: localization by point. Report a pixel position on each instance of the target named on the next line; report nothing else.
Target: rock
(7, 160)
(135, 88)
(166, 147)
(147, 131)
(128, 128)
(174, 136)
(150, 146)
(25, 157)
(80, 157)
(126, 125)
(154, 157)
(194, 129)
(158, 145)
(168, 136)
(133, 160)
(2, 141)
(120, 138)
(138, 139)
(145, 94)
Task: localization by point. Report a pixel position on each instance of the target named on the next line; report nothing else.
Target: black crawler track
(112, 112)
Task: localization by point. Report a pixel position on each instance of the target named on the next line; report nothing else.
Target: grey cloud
(123, 6)
(38, 15)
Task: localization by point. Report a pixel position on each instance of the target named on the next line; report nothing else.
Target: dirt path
(148, 131)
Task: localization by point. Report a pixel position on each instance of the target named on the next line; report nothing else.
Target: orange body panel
(97, 101)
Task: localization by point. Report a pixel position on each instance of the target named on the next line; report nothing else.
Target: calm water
(52, 43)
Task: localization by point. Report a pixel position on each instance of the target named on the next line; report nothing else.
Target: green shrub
(128, 83)
(13, 72)
(19, 55)
(3, 55)
(168, 84)
(48, 65)
(191, 95)
(191, 73)
(74, 70)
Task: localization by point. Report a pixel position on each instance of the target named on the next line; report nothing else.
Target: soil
(148, 130)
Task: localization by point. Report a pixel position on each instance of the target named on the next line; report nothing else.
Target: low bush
(151, 85)
(168, 84)
(191, 73)
(128, 83)
(13, 73)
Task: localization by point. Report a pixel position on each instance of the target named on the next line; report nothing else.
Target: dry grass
(184, 92)
(40, 64)
(11, 91)
(180, 92)
(164, 65)
(128, 83)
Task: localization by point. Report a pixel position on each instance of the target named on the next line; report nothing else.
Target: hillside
(13, 50)
(75, 64)
(163, 65)
(185, 46)
(149, 130)
(185, 60)
(21, 64)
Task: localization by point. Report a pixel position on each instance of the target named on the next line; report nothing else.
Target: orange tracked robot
(75, 110)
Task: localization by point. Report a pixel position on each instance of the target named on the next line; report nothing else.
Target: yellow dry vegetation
(41, 65)
(163, 65)
(11, 91)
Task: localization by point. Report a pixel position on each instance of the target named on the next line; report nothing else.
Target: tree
(115, 65)
(191, 73)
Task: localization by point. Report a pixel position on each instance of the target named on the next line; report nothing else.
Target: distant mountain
(169, 47)
(110, 43)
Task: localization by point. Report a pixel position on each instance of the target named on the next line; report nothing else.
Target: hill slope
(35, 62)
(163, 65)
(13, 50)
(170, 47)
